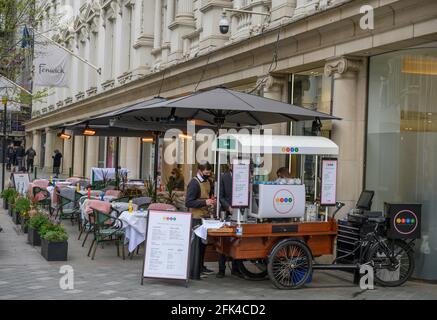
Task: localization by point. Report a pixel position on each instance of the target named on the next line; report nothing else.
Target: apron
(205, 189)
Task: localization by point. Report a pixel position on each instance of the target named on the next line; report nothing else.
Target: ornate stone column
(67, 156)
(78, 156)
(157, 32)
(133, 157)
(49, 148)
(92, 153)
(349, 99)
(36, 144)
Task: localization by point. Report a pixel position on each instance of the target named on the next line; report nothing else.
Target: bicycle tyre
(407, 255)
(249, 274)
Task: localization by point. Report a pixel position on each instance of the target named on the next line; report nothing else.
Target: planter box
(10, 210)
(16, 217)
(24, 225)
(54, 251)
(5, 204)
(33, 237)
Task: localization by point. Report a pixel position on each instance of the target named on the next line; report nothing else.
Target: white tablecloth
(99, 174)
(202, 230)
(135, 225)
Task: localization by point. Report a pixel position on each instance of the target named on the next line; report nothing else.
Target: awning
(275, 144)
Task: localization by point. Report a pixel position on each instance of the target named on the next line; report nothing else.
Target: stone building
(379, 80)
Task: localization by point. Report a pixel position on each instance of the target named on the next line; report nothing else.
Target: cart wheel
(253, 269)
(290, 264)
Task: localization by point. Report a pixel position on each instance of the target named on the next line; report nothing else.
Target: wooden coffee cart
(283, 250)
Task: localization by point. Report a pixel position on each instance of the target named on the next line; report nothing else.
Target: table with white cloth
(106, 174)
(202, 230)
(135, 226)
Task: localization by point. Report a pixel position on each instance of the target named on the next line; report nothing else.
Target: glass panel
(312, 90)
(402, 141)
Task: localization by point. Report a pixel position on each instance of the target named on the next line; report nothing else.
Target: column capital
(342, 65)
(272, 82)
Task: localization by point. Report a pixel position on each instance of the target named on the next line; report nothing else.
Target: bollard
(35, 171)
(70, 172)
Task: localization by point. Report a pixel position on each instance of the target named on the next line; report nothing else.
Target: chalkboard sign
(167, 245)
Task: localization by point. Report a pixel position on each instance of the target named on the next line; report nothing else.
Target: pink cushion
(101, 206)
(113, 193)
(162, 207)
(73, 180)
(41, 183)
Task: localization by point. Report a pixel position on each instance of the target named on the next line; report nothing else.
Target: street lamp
(5, 104)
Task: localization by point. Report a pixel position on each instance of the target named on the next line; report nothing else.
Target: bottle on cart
(130, 207)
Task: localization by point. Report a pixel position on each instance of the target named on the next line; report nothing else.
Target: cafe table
(134, 225)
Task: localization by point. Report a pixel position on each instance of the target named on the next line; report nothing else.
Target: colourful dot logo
(405, 222)
(169, 218)
(283, 201)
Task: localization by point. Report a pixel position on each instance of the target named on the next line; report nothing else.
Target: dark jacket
(30, 153)
(226, 190)
(19, 152)
(57, 160)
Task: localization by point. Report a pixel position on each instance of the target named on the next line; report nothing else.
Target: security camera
(224, 24)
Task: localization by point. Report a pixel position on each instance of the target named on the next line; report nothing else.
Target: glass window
(313, 90)
(402, 141)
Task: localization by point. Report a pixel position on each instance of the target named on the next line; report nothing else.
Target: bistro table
(135, 225)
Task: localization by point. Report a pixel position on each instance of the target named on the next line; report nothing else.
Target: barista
(198, 199)
(283, 173)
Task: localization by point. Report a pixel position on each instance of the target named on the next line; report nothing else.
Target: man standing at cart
(198, 199)
(225, 202)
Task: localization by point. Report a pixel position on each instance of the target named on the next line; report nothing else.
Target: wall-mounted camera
(224, 24)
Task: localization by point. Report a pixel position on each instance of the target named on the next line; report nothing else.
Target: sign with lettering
(329, 182)
(167, 245)
(21, 182)
(50, 65)
(240, 183)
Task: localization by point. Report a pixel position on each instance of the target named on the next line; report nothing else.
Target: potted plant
(9, 196)
(35, 224)
(5, 195)
(22, 209)
(54, 244)
(150, 188)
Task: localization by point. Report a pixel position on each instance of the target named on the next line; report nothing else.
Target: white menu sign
(240, 183)
(329, 182)
(167, 245)
(21, 182)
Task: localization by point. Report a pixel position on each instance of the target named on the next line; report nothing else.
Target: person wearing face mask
(198, 198)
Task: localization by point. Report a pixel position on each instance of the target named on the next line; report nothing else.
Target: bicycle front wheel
(393, 263)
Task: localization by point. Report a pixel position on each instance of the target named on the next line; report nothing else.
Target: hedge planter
(5, 204)
(10, 209)
(54, 251)
(24, 225)
(33, 237)
(16, 217)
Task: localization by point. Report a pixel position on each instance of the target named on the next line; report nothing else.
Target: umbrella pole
(218, 185)
(155, 166)
(117, 164)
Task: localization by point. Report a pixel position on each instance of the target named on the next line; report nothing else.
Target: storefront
(401, 149)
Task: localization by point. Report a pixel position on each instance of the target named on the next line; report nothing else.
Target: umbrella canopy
(216, 107)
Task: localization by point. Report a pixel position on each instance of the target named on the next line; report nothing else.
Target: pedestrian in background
(30, 154)
(57, 162)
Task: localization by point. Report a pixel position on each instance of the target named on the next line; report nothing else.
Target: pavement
(25, 274)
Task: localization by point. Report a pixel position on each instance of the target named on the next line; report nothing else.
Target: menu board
(167, 245)
(329, 182)
(21, 182)
(240, 183)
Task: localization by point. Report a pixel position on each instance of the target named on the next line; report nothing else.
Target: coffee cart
(275, 224)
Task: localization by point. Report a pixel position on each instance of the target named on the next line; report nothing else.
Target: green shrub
(22, 205)
(37, 221)
(47, 227)
(55, 236)
(10, 195)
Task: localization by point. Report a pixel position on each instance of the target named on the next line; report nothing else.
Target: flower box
(33, 237)
(54, 251)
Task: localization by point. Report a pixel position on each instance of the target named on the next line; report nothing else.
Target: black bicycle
(392, 260)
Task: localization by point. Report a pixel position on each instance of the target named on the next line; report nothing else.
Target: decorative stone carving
(272, 83)
(342, 65)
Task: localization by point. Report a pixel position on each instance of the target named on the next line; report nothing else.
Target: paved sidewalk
(25, 274)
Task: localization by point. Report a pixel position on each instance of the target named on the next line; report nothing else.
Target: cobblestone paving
(25, 274)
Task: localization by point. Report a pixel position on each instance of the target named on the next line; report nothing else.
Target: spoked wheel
(290, 264)
(253, 269)
(393, 263)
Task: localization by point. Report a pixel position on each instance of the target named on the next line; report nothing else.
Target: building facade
(380, 78)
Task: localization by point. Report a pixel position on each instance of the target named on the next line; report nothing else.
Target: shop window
(313, 90)
(401, 164)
